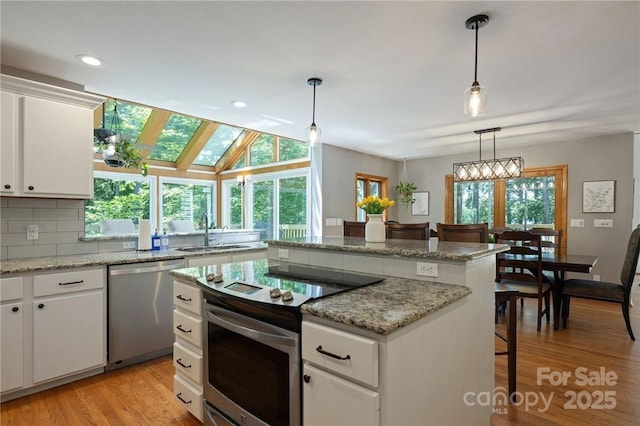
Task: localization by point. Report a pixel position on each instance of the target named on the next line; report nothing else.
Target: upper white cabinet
(47, 135)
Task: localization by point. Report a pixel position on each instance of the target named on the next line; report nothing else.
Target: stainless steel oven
(252, 347)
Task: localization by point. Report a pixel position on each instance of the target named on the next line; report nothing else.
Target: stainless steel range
(252, 353)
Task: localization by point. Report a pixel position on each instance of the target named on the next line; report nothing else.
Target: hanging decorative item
(405, 188)
(117, 151)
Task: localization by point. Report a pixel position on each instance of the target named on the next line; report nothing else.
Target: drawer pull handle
(72, 282)
(15, 309)
(306, 378)
(7, 186)
(323, 352)
(182, 329)
(40, 305)
(179, 396)
(179, 361)
(183, 299)
(31, 188)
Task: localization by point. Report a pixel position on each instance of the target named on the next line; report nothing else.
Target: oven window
(253, 375)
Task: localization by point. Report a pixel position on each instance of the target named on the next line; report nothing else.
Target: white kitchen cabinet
(53, 329)
(11, 334)
(48, 134)
(66, 334)
(9, 143)
(330, 400)
(188, 353)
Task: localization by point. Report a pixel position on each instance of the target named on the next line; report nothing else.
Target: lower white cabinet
(330, 400)
(11, 333)
(53, 329)
(340, 377)
(66, 334)
(188, 347)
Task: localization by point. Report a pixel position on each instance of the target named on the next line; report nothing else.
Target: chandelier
(495, 168)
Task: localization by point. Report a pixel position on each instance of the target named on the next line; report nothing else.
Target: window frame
(560, 172)
(184, 181)
(368, 178)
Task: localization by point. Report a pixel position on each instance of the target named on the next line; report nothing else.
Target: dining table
(559, 264)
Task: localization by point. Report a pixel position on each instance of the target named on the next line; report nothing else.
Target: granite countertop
(402, 248)
(381, 308)
(115, 258)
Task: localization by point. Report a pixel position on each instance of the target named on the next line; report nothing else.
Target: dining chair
(521, 268)
(408, 231)
(469, 232)
(551, 243)
(353, 229)
(606, 291)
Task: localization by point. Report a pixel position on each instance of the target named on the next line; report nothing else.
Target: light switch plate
(603, 223)
(283, 253)
(577, 223)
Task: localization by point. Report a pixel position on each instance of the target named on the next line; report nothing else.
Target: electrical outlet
(425, 269)
(129, 245)
(577, 223)
(596, 277)
(32, 232)
(283, 253)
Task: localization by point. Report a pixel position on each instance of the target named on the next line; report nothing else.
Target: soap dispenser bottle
(155, 241)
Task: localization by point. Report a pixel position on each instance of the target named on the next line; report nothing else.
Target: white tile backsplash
(19, 252)
(32, 203)
(56, 214)
(20, 226)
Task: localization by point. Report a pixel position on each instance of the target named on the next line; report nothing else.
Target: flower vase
(375, 230)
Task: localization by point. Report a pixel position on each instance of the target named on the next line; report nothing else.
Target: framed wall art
(599, 196)
(420, 206)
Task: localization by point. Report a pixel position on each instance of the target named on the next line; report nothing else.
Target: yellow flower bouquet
(374, 204)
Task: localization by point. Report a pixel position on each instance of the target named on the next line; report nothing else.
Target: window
(262, 151)
(369, 185)
(289, 149)
(537, 199)
(119, 196)
(232, 213)
(174, 137)
(217, 145)
(187, 200)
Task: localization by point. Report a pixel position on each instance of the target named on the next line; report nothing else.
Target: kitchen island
(428, 372)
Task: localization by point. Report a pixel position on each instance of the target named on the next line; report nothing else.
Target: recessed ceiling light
(239, 104)
(90, 60)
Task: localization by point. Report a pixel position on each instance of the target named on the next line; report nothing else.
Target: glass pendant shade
(475, 100)
(314, 133)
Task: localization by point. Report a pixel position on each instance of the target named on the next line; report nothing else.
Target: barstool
(504, 293)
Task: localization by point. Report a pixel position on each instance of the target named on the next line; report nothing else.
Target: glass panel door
(473, 202)
(262, 207)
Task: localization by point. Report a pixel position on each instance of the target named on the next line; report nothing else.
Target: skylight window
(174, 137)
(217, 145)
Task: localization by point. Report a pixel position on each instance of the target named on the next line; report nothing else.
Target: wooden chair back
(408, 231)
(467, 233)
(353, 229)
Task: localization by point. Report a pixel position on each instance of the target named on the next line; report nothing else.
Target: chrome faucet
(205, 220)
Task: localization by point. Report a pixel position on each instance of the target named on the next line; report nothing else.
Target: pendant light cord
(475, 73)
(313, 118)
(404, 172)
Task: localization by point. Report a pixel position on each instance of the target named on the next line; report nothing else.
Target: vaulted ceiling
(394, 72)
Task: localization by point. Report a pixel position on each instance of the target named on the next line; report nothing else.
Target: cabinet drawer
(11, 288)
(187, 362)
(187, 297)
(362, 353)
(66, 282)
(188, 396)
(188, 328)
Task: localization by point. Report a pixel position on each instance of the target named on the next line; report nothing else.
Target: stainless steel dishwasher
(140, 311)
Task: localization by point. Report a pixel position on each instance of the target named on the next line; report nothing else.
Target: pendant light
(475, 97)
(313, 130)
(495, 168)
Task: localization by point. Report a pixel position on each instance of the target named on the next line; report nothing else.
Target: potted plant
(405, 192)
(125, 154)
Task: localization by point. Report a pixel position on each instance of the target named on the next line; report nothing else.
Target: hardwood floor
(596, 339)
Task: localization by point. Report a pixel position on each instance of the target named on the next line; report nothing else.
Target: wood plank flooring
(596, 338)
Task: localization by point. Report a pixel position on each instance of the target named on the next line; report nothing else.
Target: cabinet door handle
(72, 282)
(179, 361)
(306, 378)
(182, 329)
(15, 309)
(7, 186)
(31, 188)
(40, 305)
(323, 352)
(183, 298)
(179, 396)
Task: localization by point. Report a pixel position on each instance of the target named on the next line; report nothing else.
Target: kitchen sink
(213, 248)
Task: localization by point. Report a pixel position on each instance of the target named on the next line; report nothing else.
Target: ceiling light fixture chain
(476, 96)
(313, 130)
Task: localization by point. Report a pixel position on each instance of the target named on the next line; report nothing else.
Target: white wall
(339, 167)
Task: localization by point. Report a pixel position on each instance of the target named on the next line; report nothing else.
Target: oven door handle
(228, 320)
